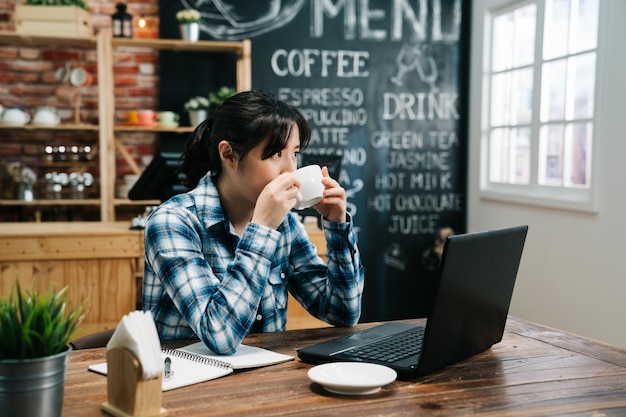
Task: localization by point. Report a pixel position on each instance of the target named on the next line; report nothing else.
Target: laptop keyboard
(390, 349)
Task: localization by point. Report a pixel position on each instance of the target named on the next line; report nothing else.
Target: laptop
(475, 284)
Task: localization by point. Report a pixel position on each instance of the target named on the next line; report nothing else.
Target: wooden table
(534, 371)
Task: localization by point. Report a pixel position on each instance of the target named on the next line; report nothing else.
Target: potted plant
(35, 330)
(198, 108)
(216, 98)
(77, 3)
(189, 24)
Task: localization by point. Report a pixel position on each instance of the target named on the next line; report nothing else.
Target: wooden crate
(64, 21)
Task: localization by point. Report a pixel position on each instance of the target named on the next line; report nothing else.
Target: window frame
(577, 199)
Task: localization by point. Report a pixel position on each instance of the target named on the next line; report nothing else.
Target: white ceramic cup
(80, 77)
(168, 119)
(311, 187)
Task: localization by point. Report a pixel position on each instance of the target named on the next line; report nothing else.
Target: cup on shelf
(168, 119)
(68, 94)
(132, 117)
(63, 73)
(80, 77)
(147, 117)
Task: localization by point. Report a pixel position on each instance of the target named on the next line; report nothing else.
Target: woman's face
(256, 172)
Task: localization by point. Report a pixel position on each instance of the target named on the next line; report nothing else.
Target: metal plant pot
(33, 387)
(197, 116)
(190, 31)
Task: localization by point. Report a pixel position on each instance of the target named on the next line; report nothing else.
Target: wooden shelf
(127, 202)
(108, 144)
(128, 128)
(59, 202)
(63, 126)
(12, 38)
(67, 164)
(179, 45)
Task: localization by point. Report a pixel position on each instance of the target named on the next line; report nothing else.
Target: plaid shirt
(202, 280)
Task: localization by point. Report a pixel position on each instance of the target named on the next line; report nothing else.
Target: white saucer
(352, 378)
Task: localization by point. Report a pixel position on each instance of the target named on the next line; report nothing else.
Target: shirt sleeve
(220, 310)
(331, 292)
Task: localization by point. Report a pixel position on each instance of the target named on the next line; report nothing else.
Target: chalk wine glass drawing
(412, 57)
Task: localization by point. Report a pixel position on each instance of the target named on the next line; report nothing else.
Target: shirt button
(259, 317)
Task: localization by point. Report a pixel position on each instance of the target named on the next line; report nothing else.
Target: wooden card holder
(128, 394)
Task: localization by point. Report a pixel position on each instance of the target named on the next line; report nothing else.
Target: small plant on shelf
(77, 3)
(187, 16)
(197, 103)
(198, 108)
(218, 97)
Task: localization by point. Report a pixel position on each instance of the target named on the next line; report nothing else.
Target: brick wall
(28, 80)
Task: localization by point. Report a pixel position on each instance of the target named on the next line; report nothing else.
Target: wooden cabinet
(106, 131)
(297, 316)
(97, 261)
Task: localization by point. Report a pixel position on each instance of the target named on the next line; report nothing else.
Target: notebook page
(246, 356)
(184, 371)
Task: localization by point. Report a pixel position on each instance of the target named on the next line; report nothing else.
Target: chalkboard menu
(384, 85)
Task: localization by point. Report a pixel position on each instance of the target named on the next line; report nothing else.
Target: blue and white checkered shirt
(202, 280)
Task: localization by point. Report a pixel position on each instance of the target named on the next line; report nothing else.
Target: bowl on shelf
(14, 116)
(46, 116)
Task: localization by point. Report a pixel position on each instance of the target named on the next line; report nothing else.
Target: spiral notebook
(195, 363)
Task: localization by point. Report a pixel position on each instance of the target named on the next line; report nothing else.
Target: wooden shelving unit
(108, 145)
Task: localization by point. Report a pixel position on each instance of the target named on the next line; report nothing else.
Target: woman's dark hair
(243, 120)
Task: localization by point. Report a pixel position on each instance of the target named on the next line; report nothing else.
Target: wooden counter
(101, 263)
(98, 261)
(297, 316)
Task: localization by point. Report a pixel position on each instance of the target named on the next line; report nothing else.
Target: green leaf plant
(78, 3)
(35, 325)
(218, 97)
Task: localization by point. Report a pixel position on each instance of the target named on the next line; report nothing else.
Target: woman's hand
(275, 201)
(333, 204)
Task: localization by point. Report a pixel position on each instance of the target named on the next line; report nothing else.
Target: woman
(221, 258)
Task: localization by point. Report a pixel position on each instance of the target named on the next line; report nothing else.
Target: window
(539, 103)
